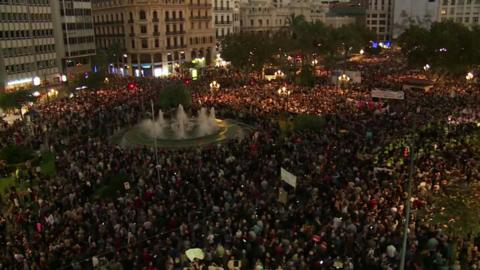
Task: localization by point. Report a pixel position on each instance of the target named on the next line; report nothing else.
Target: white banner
(388, 94)
(288, 178)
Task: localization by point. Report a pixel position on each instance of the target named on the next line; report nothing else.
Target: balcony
(155, 20)
(200, 5)
(201, 18)
(178, 46)
(175, 33)
(224, 23)
(174, 19)
(223, 9)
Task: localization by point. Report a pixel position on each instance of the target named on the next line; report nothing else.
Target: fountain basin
(137, 136)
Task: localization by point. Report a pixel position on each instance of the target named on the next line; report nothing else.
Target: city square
(314, 144)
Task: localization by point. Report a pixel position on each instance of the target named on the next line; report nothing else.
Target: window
(167, 17)
(133, 44)
(144, 43)
(155, 15)
(143, 29)
(157, 43)
(155, 28)
(143, 15)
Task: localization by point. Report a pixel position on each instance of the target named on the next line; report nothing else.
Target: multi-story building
(267, 15)
(379, 18)
(461, 11)
(419, 12)
(157, 35)
(27, 44)
(74, 35)
(224, 16)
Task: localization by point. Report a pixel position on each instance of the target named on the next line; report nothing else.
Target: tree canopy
(15, 100)
(448, 47)
(174, 94)
(251, 51)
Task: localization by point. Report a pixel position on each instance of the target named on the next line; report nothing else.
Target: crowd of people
(224, 199)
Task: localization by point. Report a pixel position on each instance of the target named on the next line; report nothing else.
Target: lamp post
(279, 74)
(155, 142)
(343, 79)
(214, 86)
(469, 76)
(409, 196)
(285, 93)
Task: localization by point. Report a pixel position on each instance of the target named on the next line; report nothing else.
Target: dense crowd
(343, 214)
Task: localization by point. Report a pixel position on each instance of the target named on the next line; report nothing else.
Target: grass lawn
(5, 183)
(47, 166)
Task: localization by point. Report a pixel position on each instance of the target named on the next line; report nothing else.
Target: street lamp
(344, 78)
(469, 76)
(314, 62)
(426, 67)
(63, 78)
(278, 74)
(214, 86)
(362, 52)
(36, 81)
(284, 92)
(36, 94)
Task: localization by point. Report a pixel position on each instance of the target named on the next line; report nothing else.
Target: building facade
(156, 35)
(266, 15)
(460, 11)
(419, 12)
(27, 44)
(74, 35)
(379, 18)
(224, 17)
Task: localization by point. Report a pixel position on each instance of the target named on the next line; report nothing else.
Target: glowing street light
(314, 62)
(36, 81)
(63, 78)
(426, 67)
(279, 74)
(284, 92)
(469, 76)
(214, 86)
(344, 78)
(36, 94)
(362, 52)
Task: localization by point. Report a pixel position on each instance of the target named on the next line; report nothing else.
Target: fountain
(181, 127)
(181, 130)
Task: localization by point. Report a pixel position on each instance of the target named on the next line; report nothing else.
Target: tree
(107, 56)
(295, 25)
(448, 47)
(173, 95)
(15, 100)
(306, 77)
(92, 80)
(415, 45)
(248, 51)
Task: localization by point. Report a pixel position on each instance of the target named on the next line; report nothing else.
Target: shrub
(14, 154)
(308, 122)
(173, 95)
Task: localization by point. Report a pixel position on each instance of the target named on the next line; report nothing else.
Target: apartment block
(156, 35)
(27, 44)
